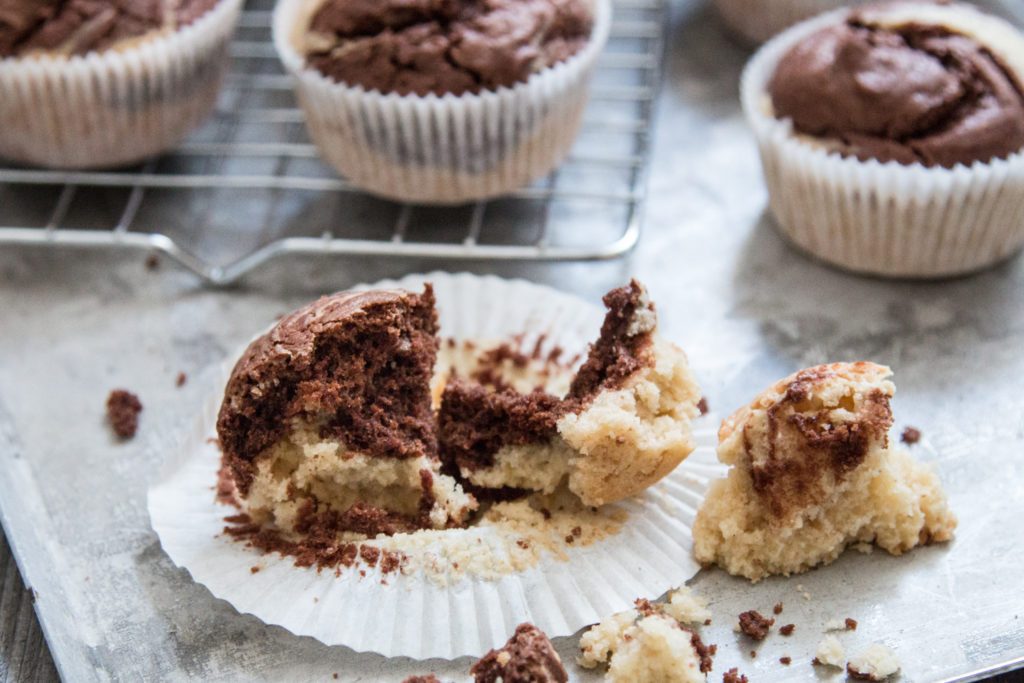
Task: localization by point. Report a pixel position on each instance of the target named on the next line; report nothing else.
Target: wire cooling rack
(249, 186)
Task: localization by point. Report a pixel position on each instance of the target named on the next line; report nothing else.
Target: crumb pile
(653, 642)
(812, 471)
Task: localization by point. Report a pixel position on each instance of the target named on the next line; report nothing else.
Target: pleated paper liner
(419, 613)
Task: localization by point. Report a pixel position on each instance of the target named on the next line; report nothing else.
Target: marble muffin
(101, 83)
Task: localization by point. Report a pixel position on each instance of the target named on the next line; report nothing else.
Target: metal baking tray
(746, 307)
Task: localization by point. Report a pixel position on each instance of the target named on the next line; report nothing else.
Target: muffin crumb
(123, 408)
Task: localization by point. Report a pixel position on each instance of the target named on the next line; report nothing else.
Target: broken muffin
(813, 470)
(623, 425)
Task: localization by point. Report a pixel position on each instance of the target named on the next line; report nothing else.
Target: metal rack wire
(248, 186)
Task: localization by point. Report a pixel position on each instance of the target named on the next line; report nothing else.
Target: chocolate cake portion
(443, 46)
(75, 27)
(623, 347)
(357, 365)
(474, 423)
(906, 93)
(527, 657)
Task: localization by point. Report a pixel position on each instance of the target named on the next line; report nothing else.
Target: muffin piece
(623, 425)
(527, 657)
(327, 424)
(442, 101)
(118, 81)
(648, 644)
(451, 46)
(812, 471)
(892, 136)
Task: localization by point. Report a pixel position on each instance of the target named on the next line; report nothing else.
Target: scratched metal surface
(746, 307)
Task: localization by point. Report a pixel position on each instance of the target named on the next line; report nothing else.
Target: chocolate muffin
(892, 137)
(119, 80)
(902, 92)
(442, 101)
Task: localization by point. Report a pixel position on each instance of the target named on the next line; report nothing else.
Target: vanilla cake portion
(327, 428)
(812, 471)
(650, 644)
(623, 424)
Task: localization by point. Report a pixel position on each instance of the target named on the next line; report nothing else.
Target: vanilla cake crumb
(874, 663)
(830, 651)
(650, 643)
(813, 471)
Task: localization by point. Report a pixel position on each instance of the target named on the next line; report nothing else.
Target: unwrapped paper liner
(117, 106)
(444, 149)
(882, 218)
(412, 614)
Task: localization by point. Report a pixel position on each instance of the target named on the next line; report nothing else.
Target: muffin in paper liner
(446, 149)
(117, 106)
(755, 21)
(888, 219)
(419, 613)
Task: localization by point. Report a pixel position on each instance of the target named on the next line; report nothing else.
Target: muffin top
(442, 46)
(75, 27)
(902, 91)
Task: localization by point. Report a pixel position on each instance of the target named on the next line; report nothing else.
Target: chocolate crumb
(851, 624)
(180, 380)
(569, 539)
(816, 662)
(576, 531)
(910, 435)
(546, 513)
(704, 652)
(733, 676)
(778, 608)
(254, 570)
(755, 625)
(702, 405)
(152, 261)
(429, 678)
(787, 629)
(753, 654)
(523, 543)
(786, 660)
(644, 606)
(707, 622)
(123, 408)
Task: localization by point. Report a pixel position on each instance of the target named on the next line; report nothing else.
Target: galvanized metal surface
(747, 308)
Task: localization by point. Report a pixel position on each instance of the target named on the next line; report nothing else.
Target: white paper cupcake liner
(448, 149)
(414, 615)
(118, 106)
(882, 218)
(756, 21)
